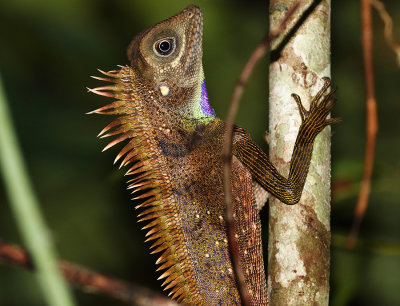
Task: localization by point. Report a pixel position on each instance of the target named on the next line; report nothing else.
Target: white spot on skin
(164, 89)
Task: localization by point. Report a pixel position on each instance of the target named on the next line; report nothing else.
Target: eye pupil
(164, 47)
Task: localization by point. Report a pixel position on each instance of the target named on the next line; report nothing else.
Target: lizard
(174, 154)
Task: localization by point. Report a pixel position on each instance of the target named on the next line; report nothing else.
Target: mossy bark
(299, 235)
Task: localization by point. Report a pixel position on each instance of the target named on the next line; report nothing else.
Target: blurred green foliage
(48, 50)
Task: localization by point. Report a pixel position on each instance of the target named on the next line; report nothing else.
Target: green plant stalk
(27, 212)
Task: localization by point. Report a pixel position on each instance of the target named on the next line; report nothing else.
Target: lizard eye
(165, 46)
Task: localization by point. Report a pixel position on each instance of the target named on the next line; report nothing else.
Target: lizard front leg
(288, 190)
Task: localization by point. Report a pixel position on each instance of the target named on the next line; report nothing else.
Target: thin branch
(372, 123)
(388, 30)
(258, 53)
(89, 280)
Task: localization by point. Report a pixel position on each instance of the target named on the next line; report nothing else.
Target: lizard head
(163, 85)
(168, 61)
(170, 50)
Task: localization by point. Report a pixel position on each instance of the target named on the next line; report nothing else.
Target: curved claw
(320, 93)
(333, 120)
(327, 81)
(329, 104)
(328, 100)
(303, 112)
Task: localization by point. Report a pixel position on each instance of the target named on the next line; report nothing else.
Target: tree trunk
(299, 235)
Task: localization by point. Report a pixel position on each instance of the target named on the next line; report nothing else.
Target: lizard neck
(198, 108)
(178, 108)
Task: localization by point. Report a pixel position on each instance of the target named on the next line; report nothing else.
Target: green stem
(27, 212)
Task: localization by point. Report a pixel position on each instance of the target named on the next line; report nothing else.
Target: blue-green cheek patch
(204, 104)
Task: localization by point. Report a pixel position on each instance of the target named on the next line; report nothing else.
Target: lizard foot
(320, 107)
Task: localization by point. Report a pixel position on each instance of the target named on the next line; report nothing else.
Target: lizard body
(175, 157)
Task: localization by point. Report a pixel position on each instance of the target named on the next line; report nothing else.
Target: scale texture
(174, 155)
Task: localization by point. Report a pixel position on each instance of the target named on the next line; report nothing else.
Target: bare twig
(388, 30)
(90, 280)
(258, 53)
(372, 123)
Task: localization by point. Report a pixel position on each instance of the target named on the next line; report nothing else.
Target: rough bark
(299, 235)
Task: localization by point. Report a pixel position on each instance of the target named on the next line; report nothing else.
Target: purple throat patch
(204, 104)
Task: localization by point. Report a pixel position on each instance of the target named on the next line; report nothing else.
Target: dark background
(48, 50)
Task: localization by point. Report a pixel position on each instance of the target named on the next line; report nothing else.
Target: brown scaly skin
(175, 157)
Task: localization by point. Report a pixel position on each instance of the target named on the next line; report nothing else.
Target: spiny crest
(148, 185)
